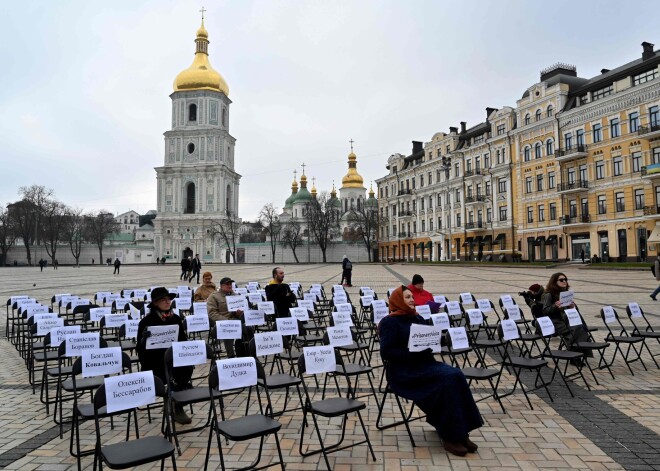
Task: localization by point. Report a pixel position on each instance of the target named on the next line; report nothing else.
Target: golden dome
(352, 179)
(200, 75)
(372, 193)
(294, 185)
(314, 187)
(333, 193)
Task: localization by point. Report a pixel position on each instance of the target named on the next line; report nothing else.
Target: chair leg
(366, 436)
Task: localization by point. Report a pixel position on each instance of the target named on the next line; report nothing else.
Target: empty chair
(618, 334)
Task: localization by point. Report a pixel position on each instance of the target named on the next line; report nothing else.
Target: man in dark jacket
(196, 268)
(280, 293)
(347, 271)
(153, 359)
(185, 268)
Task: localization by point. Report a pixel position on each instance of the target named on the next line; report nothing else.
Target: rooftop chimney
(417, 147)
(489, 111)
(604, 71)
(647, 50)
(453, 130)
(463, 124)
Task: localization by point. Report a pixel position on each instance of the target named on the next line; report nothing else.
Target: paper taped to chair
(379, 313)
(268, 343)
(236, 373)
(547, 327)
(268, 307)
(423, 337)
(58, 334)
(114, 321)
(97, 313)
(101, 361)
(78, 343)
(200, 308)
(573, 317)
(254, 317)
(228, 330)
(131, 329)
(440, 321)
(197, 323)
(320, 359)
(453, 308)
(188, 353)
(287, 325)
(459, 339)
(162, 336)
(130, 390)
(340, 336)
(342, 318)
(424, 310)
(635, 311)
(299, 313)
(509, 330)
(45, 325)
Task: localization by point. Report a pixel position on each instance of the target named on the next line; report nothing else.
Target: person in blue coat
(439, 390)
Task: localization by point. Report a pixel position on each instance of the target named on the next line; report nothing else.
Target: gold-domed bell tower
(197, 183)
(352, 192)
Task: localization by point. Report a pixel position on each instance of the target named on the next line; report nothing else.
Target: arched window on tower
(190, 199)
(228, 206)
(192, 112)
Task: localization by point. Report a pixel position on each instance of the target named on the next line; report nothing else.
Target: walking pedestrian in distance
(117, 265)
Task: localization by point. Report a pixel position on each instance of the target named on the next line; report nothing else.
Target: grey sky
(84, 87)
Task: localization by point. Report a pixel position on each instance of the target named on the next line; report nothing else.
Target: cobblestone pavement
(612, 426)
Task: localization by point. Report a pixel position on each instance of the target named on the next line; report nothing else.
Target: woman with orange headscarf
(439, 390)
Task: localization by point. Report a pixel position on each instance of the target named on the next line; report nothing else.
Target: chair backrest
(100, 399)
(636, 315)
(612, 322)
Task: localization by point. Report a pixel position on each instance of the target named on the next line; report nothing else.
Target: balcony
(571, 187)
(649, 132)
(476, 172)
(652, 211)
(651, 171)
(475, 225)
(405, 192)
(573, 152)
(584, 219)
(404, 214)
(475, 199)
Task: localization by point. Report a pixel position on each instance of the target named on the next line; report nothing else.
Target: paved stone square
(613, 426)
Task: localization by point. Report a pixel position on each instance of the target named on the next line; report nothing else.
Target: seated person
(216, 307)
(439, 390)
(161, 314)
(205, 289)
(422, 296)
(533, 297)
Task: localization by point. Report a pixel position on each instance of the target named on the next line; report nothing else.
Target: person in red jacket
(421, 295)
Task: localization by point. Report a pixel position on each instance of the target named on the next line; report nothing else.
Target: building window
(597, 133)
(639, 199)
(421, 203)
(571, 175)
(489, 215)
(439, 223)
(645, 77)
(553, 211)
(421, 181)
(551, 180)
(549, 147)
(549, 111)
(568, 141)
(572, 208)
(477, 163)
(439, 201)
(615, 130)
(458, 196)
(656, 155)
(468, 165)
(458, 220)
(430, 178)
(600, 170)
(617, 166)
(602, 93)
(541, 213)
(503, 213)
(584, 206)
(633, 121)
(430, 224)
(501, 129)
(537, 150)
(538, 115)
(527, 154)
(583, 172)
(620, 204)
(602, 204)
(539, 183)
(654, 116)
(530, 214)
(430, 202)
(457, 170)
(501, 184)
(636, 158)
(192, 112)
(579, 137)
(423, 225)
(527, 118)
(528, 185)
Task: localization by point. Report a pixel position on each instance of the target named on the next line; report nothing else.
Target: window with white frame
(620, 202)
(617, 166)
(615, 128)
(530, 214)
(600, 169)
(597, 133)
(636, 160)
(602, 204)
(639, 198)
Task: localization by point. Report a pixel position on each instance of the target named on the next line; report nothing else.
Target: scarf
(398, 307)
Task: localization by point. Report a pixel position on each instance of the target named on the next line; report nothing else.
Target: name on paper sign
(513, 312)
(79, 302)
(342, 318)
(267, 307)
(101, 361)
(130, 390)
(102, 294)
(320, 359)
(236, 373)
(307, 304)
(339, 298)
(46, 325)
(608, 314)
(131, 329)
(484, 304)
(509, 330)
(287, 325)
(466, 297)
(114, 321)
(344, 307)
(378, 303)
(458, 338)
(36, 309)
(236, 303)
(241, 291)
(268, 343)
(379, 313)
(453, 308)
(139, 293)
(368, 292)
(58, 297)
(338, 288)
(228, 330)
(58, 334)
(340, 336)
(253, 284)
(97, 313)
(476, 316)
(566, 297)
(573, 317)
(300, 313)
(189, 353)
(200, 308)
(438, 298)
(67, 299)
(507, 300)
(184, 303)
(254, 298)
(367, 300)
(424, 310)
(635, 310)
(197, 323)
(547, 327)
(43, 316)
(78, 343)
(316, 286)
(440, 321)
(14, 299)
(254, 317)
(310, 297)
(423, 337)
(162, 336)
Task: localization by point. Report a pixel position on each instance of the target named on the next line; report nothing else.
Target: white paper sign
(111, 298)
(268, 343)
(320, 359)
(379, 313)
(340, 336)
(466, 298)
(131, 329)
(378, 303)
(440, 321)
(546, 325)
(423, 337)
(228, 330)
(255, 298)
(79, 302)
(366, 300)
(188, 353)
(139, 293)
(134, 312)
(65, 300)
(197, 323)
(58, 334)
(77, 343)
(513, 312)
(200, 308)
(43, 316)
(566, 297)
(342, 318)
(162, 336)
(97, 313)
(507, 300)
(338, 288)
(453, 308)
(476, 316)
(184, 304)
(344, 307)
(287, 325)
(311, 297)
(309, 305)
(235, 303)
(300, 313)
(33, 309)
(367, 292)
(484, 305)
(295, 286)
(101, 361)
(267, 307)
(573, 317)
(254, 317)
(130, 390)
(509, 330)
(459, 339)
(440, 299)
(46, 325)
(424, 310)
(340, 297)
(635, 310)
(58, 297)
(609, 314)
(236, 373)
(114, 321)
(14, 299)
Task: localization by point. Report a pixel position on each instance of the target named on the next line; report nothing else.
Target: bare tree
(270, 221)
(7, 235)
(322, 221)
(364, 222)
(51, 226)
(292, 235)
(98, 226)
(25, 214)
(74, 232)
(226, 232)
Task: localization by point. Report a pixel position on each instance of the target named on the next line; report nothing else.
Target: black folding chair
(622, 337)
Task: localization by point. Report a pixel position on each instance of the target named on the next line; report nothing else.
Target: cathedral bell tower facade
(197, 184)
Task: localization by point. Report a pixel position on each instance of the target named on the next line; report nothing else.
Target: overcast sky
(84, 86)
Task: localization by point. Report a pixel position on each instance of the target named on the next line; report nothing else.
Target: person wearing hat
(161, 314)
(216, 307)
(422, 296)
